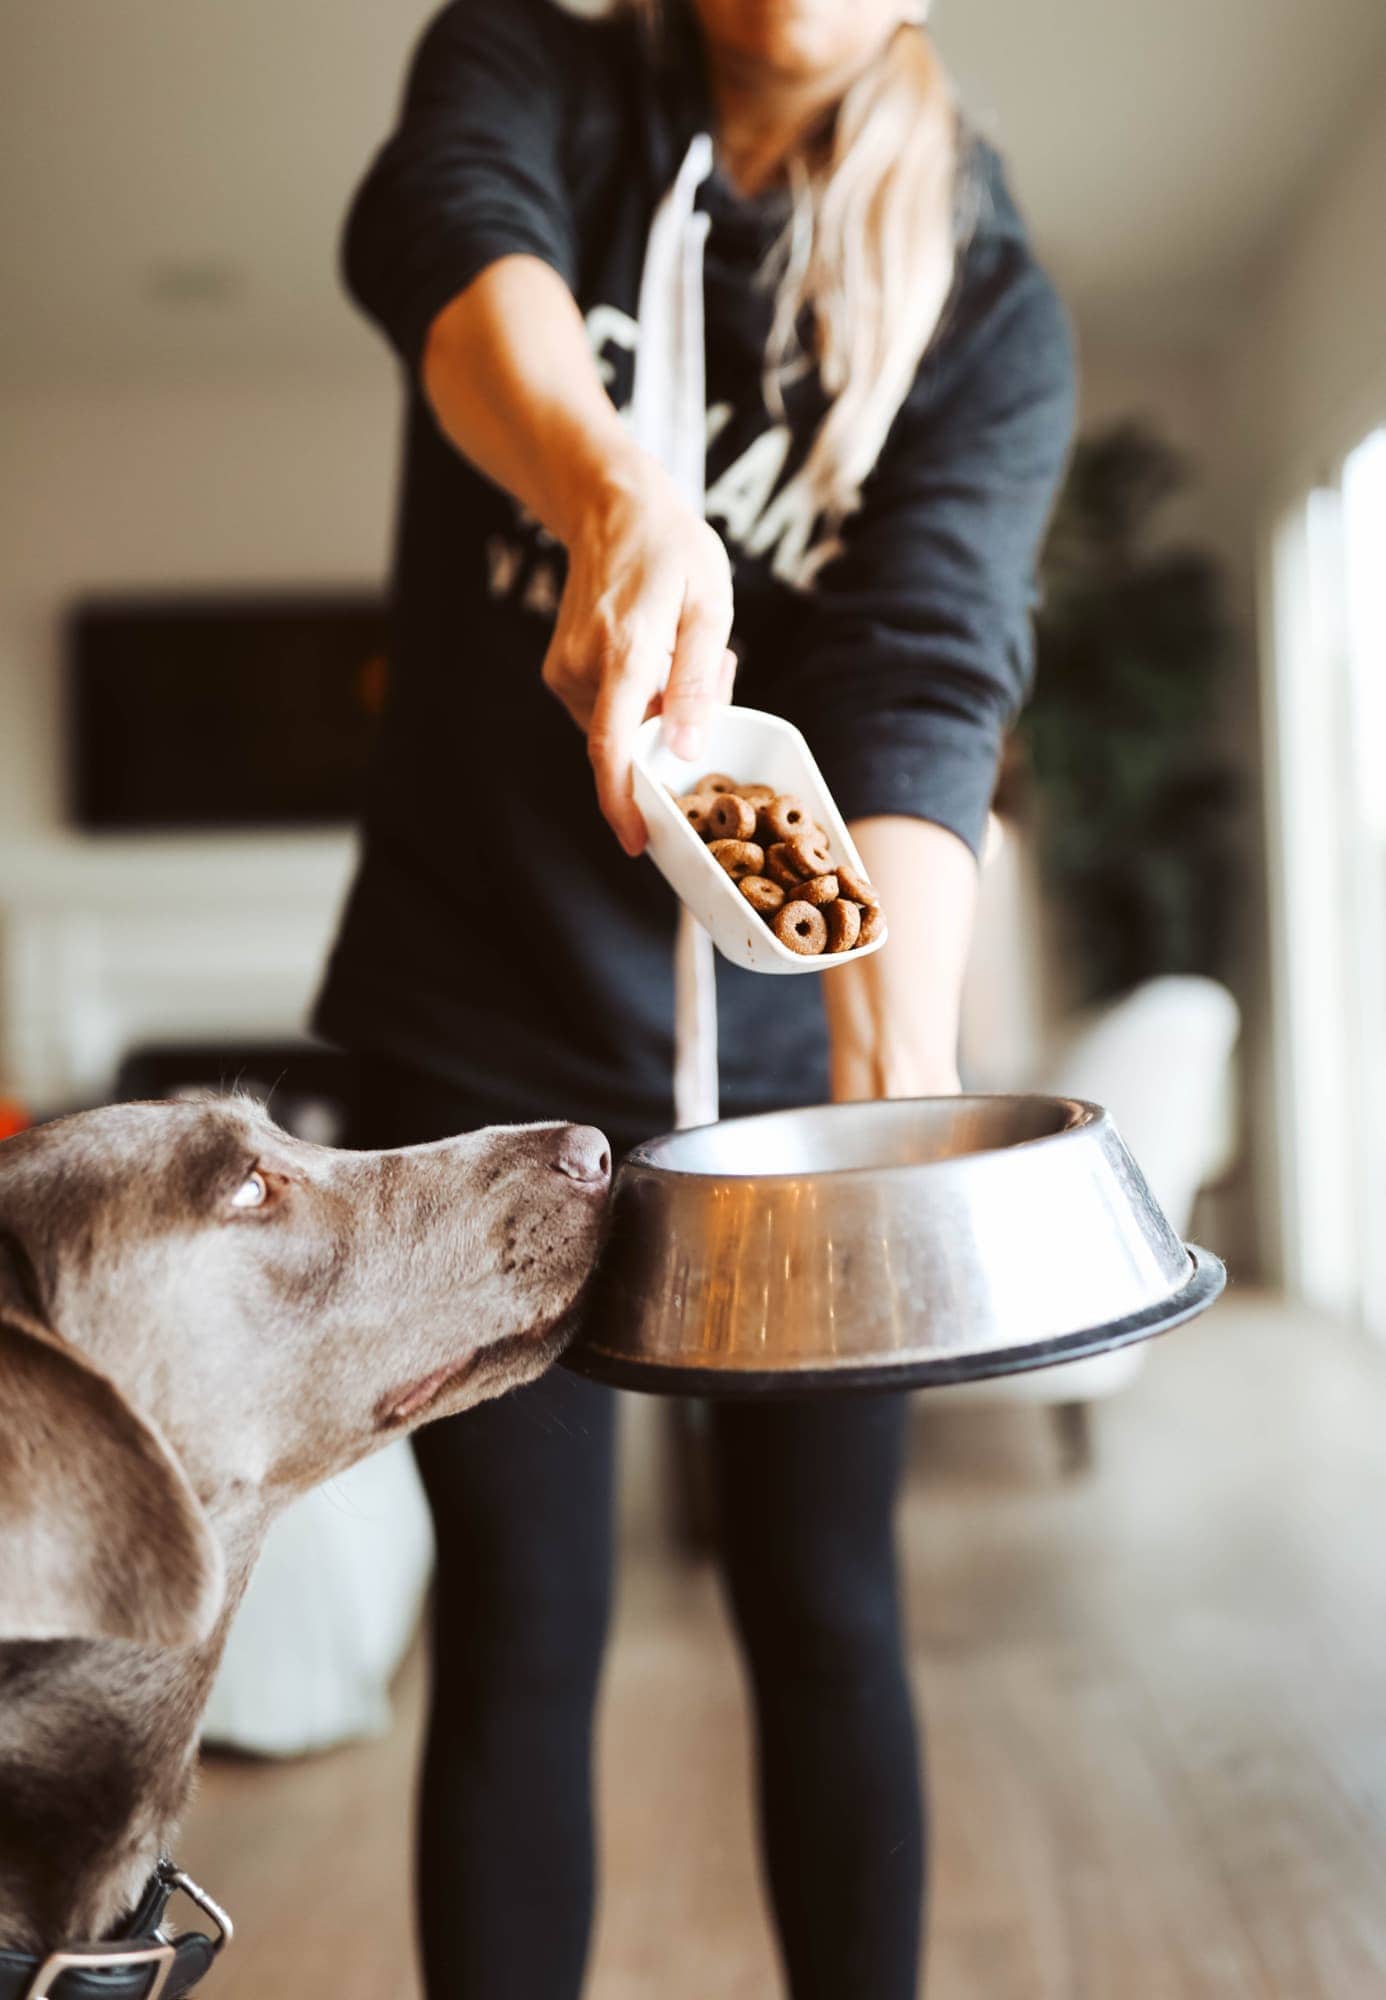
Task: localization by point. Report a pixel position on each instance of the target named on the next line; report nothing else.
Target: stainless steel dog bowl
(923, 1241)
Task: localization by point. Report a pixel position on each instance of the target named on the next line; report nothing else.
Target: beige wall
(1175, 390)
(160, 488)
(1309, 373)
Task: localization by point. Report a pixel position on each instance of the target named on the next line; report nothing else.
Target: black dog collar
(139, 1963)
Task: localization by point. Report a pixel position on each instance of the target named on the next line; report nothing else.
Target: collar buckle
(176, 1880)
(104, 1958)
(151, 1948)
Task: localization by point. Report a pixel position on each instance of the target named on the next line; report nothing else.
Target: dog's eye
(253, 1192)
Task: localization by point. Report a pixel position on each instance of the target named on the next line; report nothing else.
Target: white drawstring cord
(668, 418)
(668, 402)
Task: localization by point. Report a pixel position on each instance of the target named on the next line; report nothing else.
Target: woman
(887, 405)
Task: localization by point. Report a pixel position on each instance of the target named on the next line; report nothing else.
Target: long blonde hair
(867, 258)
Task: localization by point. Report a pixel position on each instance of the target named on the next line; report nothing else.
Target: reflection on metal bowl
(921, 1241)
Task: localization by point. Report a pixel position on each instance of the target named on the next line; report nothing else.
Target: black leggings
(521, 1492)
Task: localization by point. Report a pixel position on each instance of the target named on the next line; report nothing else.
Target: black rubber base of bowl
(1204, 1284)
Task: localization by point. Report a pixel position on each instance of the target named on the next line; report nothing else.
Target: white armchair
(329, 1614)
(1160, 1058)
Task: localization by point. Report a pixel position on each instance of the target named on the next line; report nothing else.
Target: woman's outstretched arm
(511, 379)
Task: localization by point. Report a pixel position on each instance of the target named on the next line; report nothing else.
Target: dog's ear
(101, 1534)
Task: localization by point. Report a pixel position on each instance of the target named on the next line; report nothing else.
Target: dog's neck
(98, 1749)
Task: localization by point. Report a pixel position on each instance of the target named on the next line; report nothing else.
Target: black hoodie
(496, 934)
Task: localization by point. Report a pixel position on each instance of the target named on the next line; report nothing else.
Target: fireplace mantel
(112, 941)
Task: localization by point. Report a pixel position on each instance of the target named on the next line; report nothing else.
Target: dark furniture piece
(222, 711)
(308, 1089)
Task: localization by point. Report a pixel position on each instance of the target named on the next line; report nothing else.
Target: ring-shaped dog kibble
(695, 807)
(810, 853)
(780, 868)
(802, 928)
(872, 924)
(820, 889)
(759, 795)
(731, 817)
(844, 925)
(738, 857)
(715, 781)
(762, 894)
(857, 889)
(785, 816)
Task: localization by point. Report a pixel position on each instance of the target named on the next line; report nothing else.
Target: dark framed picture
(235, 711)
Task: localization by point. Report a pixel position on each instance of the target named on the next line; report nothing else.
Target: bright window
(1364, 637)
(1327, 760)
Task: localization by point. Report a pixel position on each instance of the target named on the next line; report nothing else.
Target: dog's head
(200, 1315)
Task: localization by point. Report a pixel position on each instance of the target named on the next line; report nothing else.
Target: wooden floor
(1155, 1697)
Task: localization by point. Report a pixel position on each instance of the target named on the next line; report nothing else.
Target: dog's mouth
(412, 1403)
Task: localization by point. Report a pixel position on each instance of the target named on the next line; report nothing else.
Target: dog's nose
(583, 1154)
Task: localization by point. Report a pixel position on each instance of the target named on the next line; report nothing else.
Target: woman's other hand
(648, 600)
(893, 1017)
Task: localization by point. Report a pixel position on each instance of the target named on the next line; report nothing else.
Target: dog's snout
(583, 1155)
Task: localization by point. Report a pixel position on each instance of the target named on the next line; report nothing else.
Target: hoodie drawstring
(668, 418)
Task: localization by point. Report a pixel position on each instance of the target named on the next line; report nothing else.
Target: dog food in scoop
(783, 865)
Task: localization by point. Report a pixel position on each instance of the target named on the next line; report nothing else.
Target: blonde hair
(868, 258)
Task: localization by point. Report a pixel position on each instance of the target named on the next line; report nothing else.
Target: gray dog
(200, 1317)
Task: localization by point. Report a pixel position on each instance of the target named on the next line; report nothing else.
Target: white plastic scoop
(756, 749)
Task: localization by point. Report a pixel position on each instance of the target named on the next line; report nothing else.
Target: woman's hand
(893, 1017)
(648, 600)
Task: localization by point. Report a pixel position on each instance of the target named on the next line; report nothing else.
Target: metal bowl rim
(1091, 1117)
(1205, 1283)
